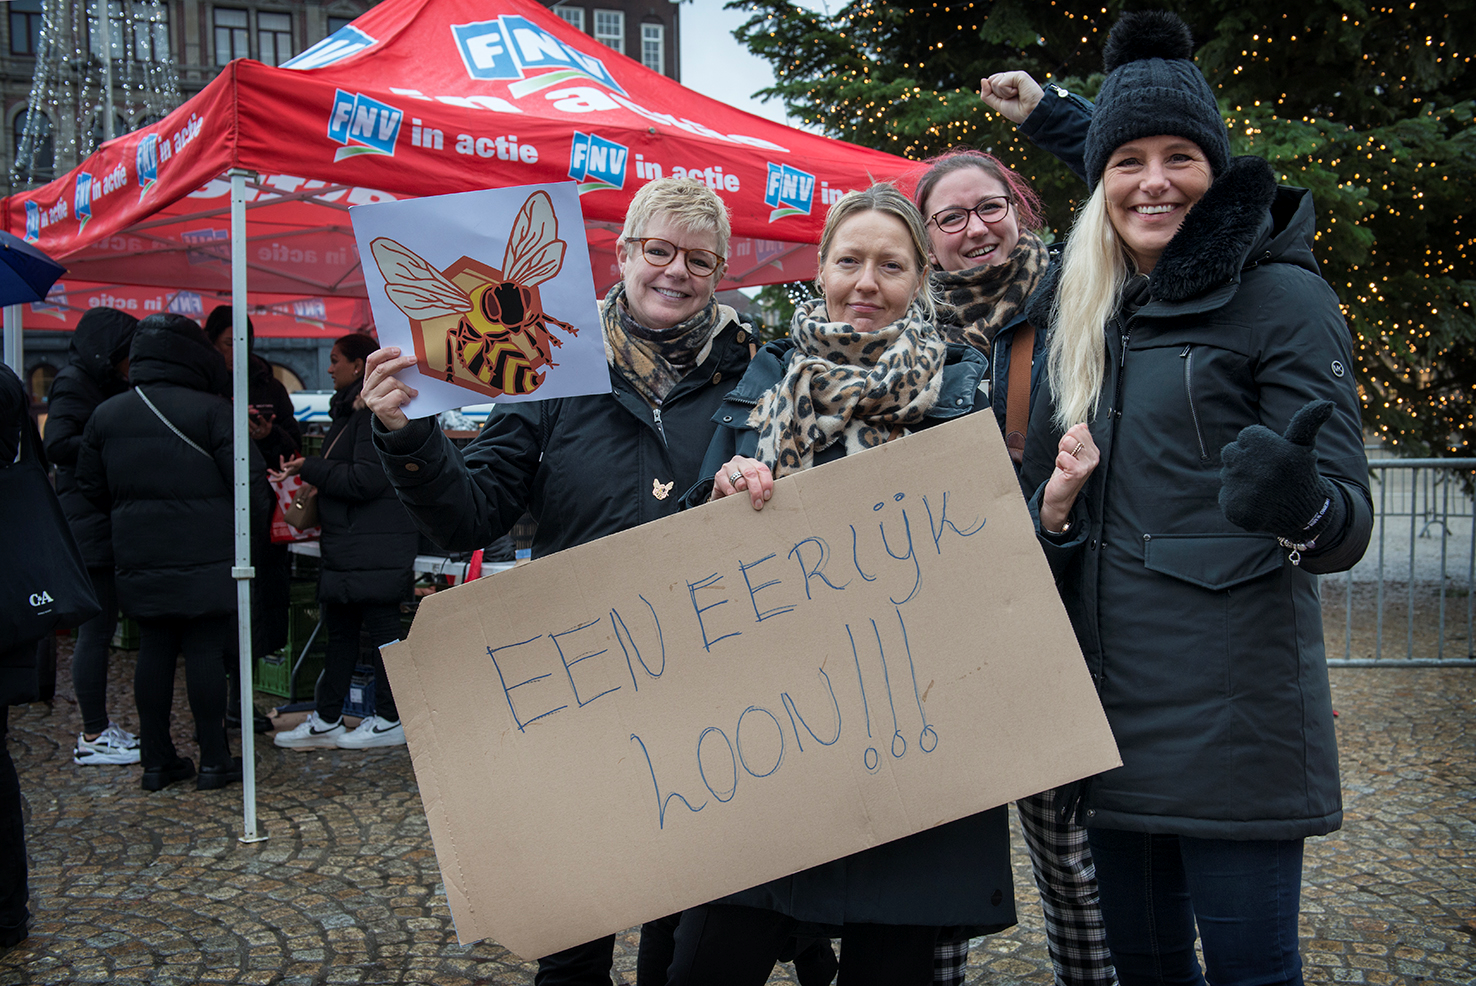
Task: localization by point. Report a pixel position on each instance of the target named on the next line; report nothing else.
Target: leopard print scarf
(861, 387)
(984, 299)
(654, 360)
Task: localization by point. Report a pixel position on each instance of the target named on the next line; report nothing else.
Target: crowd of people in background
(140, 432)
(1169, 386)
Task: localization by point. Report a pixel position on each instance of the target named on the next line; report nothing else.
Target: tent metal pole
(242, 571)
(15, 341)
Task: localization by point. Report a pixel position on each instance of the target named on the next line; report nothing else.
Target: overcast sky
(716, 65)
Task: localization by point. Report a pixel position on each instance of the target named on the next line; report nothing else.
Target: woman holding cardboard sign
(864, 364)
(674, 352)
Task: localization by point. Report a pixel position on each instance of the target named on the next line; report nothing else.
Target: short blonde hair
(687, 203)
(883, 197)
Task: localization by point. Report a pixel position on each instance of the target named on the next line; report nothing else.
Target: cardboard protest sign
(689, 708)
(485, 291)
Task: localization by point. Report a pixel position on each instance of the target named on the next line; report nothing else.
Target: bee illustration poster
(491, 290)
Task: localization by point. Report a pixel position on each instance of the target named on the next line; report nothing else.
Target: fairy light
(69, 88)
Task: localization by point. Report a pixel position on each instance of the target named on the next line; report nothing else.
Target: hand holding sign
(479, 331)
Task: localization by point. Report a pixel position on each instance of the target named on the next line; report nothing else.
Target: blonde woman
(1198, 463)
(864, 364)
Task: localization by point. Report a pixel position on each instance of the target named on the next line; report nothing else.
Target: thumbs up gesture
(1270, 483)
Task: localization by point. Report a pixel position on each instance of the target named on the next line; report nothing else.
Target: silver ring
(734, 476)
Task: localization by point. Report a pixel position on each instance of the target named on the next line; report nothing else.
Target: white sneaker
(113, 745)
(373, 731)
(312, 733)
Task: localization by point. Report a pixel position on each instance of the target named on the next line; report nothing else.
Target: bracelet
(1296, 548)
(1065, 528)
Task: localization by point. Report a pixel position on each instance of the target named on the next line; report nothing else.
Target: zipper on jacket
(1188, 357)
(656, 413)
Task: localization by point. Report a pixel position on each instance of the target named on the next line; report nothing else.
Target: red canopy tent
(247, 186)
(419, 97)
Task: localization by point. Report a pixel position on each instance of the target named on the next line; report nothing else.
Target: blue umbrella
(26, 274)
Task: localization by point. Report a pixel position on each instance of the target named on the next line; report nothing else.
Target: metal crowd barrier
(1422, 559)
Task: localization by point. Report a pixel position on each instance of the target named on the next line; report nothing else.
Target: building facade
(202, 37)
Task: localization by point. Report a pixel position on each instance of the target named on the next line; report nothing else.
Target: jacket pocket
(1212, 561)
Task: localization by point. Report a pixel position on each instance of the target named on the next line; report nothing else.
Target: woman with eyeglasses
(988, 261)
(585, 467)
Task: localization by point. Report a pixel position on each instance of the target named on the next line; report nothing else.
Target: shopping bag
(44, 585)
(287, 490)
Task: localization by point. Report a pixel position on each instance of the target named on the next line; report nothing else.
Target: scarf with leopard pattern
(863, 388)
(984, 299)
(656, 360)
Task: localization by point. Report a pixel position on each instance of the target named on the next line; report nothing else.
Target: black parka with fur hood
(1205, 640)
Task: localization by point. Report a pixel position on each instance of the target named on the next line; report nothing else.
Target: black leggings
(90, 656)
(730, 945)
(343, 622)
(203, 640)
(13, 889)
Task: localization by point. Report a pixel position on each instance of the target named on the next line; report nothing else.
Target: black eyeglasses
(991, 210)
(659, 253)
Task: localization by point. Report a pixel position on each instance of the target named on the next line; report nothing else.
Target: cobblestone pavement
(133, 888)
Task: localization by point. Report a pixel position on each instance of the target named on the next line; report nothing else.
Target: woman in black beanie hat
(1198, 462)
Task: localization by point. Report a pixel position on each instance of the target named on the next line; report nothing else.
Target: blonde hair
(687, 203)
(1093, 271)
(884, 197)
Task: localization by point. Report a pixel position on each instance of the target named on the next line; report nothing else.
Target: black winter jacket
(369, 541)
(172, 506)
(100, 341)
(1205, 641)
(584, 467)
(285, 438)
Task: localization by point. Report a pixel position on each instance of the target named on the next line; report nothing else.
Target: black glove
(1270, 482)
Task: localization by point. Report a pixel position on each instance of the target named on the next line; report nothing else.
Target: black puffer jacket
(171, 505)
(583, 466)
(285, 438)
(369, 541)
(1205, 641)
(100, 342)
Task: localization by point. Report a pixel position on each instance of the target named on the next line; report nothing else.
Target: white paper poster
(492, 292)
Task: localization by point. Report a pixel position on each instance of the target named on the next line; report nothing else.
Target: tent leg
(242, 570)
(15, 341)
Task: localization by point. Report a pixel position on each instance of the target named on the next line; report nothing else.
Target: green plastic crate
(274, 672)
(125, 637)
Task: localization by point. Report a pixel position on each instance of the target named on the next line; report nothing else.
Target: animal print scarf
(656, 360)
(861, 387)
(983, 299)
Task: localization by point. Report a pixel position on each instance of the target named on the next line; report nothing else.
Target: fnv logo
(596, 163)
(33, 222)
(511, 46)
(343, 43)
(42, 598)
(363, 125)
(789, 191)
(146, 163)
(82, 199)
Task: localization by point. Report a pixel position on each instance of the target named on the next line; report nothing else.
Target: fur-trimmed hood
(1244, 220)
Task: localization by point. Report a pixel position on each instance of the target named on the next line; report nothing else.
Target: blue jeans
(1244, 896)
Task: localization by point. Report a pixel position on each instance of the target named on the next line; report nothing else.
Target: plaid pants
(1068, 897)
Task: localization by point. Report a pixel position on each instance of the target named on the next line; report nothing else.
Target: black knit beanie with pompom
(1153, 88)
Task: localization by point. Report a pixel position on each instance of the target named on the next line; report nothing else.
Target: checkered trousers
(1068, 896)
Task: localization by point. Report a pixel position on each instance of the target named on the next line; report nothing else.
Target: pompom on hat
(1153, 88)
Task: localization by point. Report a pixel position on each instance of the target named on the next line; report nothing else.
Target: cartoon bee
(501, 334)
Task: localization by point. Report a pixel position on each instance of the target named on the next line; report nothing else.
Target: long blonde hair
(1093, 271)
